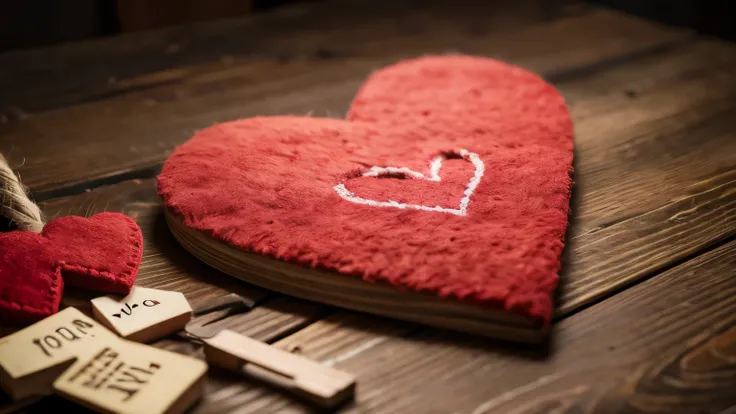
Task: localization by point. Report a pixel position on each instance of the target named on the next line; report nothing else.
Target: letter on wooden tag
(144, 315)
(126, 377)
(32, 358)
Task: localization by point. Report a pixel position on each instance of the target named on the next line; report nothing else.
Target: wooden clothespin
(322, 385)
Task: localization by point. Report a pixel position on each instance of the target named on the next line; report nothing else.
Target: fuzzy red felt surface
(317, 192)
(99, 253)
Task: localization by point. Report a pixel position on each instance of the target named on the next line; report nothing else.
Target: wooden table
(646, 316)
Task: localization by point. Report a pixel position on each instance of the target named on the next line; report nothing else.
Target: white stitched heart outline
(434, 168)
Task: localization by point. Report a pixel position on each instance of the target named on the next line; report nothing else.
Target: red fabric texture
(268, 184)
(99, 253)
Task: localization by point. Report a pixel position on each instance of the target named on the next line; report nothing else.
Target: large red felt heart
(366, 196)
(100, 253)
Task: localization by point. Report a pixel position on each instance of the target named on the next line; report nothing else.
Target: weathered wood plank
(128, 133)
(667, 118)
(678, 155)
(666, 345)
(611, 259)
(655, 172)
(52, 77)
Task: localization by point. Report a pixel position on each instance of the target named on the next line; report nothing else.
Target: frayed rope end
(16, 209)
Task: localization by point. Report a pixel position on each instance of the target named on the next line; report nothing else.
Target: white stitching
(434, 168)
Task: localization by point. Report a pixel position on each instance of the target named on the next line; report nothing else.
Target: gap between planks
(533, 380)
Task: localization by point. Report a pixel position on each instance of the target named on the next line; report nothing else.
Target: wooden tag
(323, 385)
(32, 358)
(127, 377)
(144, 315)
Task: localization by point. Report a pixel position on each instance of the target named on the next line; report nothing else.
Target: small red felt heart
(99, 253)
(363, 197)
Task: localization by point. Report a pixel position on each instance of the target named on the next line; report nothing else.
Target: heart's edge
(104, 281)
(424, 307)
(22, 314)
(15, 313)
(536, 306)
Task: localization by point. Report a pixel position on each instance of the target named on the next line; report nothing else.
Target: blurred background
(42, 22)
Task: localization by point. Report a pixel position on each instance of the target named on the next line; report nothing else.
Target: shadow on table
(183, 261)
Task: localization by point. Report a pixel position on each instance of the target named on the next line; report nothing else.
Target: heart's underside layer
(366, 198)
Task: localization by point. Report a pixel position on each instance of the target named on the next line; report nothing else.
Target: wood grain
(681, 381)
(665, 345)
(665, 119)
(655, 189)
(611, 259)
(133, 15)
(125, 135)
(49, 78)
(655, 173)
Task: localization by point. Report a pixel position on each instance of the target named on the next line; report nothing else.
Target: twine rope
(15, 206)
